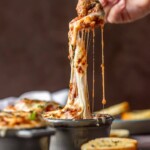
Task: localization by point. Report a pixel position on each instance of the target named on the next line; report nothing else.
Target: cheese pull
(90, 16)
(110, 144)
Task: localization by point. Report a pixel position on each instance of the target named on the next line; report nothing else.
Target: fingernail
(122, 3)
(103, 2)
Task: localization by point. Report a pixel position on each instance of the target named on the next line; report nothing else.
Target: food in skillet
(20, 120)
(32, 105)
(90, 16)
(110, 144)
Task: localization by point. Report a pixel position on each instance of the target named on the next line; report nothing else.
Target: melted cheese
(19, 120)
(28, 105)
(78, 106)
(103, 67)
(93, 83)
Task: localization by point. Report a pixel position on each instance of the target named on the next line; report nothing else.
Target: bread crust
(136, 115)
(110, 144)
(117, 109)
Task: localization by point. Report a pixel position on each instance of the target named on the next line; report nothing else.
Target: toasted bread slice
(123, 133)
(136, 115)
(115, 109)
(110, 144)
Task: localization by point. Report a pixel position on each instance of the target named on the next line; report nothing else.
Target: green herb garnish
(33, 115)
(40, 106)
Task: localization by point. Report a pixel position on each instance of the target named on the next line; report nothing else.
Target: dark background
(34, 50)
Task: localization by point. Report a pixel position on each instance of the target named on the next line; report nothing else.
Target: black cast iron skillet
(71, 134)
(26, 139)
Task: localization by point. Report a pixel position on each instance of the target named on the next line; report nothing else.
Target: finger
(126, 16)
(107, 5)
(112, 2)
(108, 2)
(103, 2)
(115, 13)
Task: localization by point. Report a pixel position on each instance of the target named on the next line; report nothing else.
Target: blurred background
(34, 50)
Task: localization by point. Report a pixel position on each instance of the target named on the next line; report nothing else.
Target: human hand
(123, 11)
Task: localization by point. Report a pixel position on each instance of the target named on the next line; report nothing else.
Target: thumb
(115, 15)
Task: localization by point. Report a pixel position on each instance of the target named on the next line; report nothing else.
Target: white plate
(134, 126)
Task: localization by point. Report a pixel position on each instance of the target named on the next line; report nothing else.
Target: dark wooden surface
(34, 49)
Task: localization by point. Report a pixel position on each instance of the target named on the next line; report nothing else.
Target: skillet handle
(35, 133)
